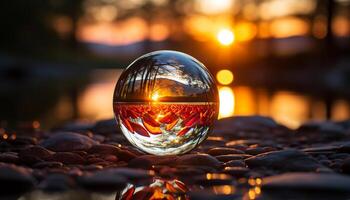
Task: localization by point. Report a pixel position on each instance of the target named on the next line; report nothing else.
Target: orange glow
(341, 26)
(5, 136)
(319, 28)
(95, 102)
(292, 115)
(122, 33)
(245, 101)
(224, 77)
(213, 6)
(227, 102)
(340, 110)
(158, 32)
(225, 36)
(287, 27)
(245, 31)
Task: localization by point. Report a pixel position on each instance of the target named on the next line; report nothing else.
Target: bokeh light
(227, 102)
(225, 77)
(225, 36)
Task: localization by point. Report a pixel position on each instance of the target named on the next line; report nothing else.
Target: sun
(155, 96)
(225, 37)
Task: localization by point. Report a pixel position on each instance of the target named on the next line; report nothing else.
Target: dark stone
(259, 150)
(8, 158)
(48, 164)
(212, 179)
(224, 151)
(125, 155)
(236, 171)
(36, 151)
(104, 180)
(198, 160)
(67, 158)
(68, 141)
(308, 181)
(57, 183)
(285, 160)
(104, 149)
(346, 166)
(14, 179)
(229, 157)
(235, 163)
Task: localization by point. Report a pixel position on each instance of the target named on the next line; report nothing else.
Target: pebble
(235, 163)
(67, 158)
(284, 160)
(9, 158)
(36, 151)
(223, 151)
(103, 180)
(229, 157)
(308, 181)
(15, 179)
(57, 183)
(199, 160)
(236, 171)
(48, 164)
(104, 149)
(68, 141)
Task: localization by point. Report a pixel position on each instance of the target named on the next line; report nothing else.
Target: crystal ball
(165, 103)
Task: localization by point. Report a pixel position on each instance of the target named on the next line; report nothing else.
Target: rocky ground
(244, 158)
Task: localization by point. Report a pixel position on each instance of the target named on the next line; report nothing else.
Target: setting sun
(225, 37)
(155, 96)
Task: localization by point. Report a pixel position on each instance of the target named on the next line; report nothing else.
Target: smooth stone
(68, 141)
(259, 150)
(57, 183)
(104, 127)
(103, 180)
(8, 158)
(330, 129)
(48, 164)
(125, 155)
(15, 179)
(345, 167)
(36, 151)
(242, 142)
(235, 163)
(288, 160)
(23, 140)
(245, 123)
(104, 149)
(198, 160)
(147, 161)
(236, 171)
(67, 158)
(229, 157)
(223, 151)
(308, 181)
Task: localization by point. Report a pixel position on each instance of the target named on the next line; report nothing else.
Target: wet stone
(199, 160)
(67, 158)
(36, 151)
(236, 171)
(104, 149)
(284, 160)
(223, 151)
(57, 183)
(259, 150)
(308, 181)
(68, 141)
(8, 158)
(48, 164)
(235, 163)
(14, 179)
(229, 157)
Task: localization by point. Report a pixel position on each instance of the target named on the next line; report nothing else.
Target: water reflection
(288, 108)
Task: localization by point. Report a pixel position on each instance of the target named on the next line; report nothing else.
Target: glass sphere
(165, 103)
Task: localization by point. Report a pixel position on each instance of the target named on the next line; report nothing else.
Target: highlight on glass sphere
(165, 103)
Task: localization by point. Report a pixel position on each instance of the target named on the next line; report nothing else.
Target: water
(166, 127)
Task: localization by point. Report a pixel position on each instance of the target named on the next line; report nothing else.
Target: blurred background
(288, 59)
